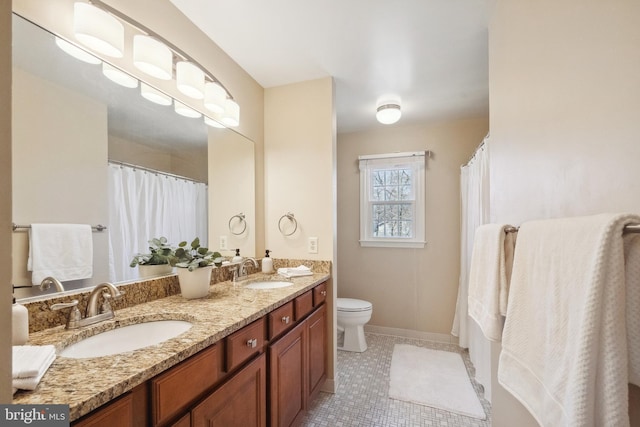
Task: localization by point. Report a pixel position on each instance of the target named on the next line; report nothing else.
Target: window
(392, 199)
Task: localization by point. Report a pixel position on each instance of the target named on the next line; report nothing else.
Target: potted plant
(194, 264)
(157, 262)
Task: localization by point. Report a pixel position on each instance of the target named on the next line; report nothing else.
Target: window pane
(392, 220)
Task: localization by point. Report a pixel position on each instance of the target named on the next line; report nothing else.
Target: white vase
(196, 283)
(154, 270)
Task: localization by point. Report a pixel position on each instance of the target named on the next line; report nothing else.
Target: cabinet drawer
(280, 320)
(173, 391)
(319, 294)
(304, 304)
(243, 344)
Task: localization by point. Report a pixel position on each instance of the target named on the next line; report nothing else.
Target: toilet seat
(353, 305)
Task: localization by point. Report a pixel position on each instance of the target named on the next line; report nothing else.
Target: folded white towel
(301, 270)
(488, 278)
(64, 251)
(632, 276)
(565, 344)
(29, 364)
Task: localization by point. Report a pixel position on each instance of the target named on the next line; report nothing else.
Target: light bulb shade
(214, 123)
(388, 113)
(98, 30)
(231, 115)
(214, 97)
(190, 79)
(152, 57)
(118, 76)
(183, 110)
(154, 95)
(76, 52)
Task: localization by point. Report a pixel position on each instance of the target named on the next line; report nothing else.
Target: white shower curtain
(474, 198)
(144, 205)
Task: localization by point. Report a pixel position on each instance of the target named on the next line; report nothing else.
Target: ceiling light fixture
(214, 97)
(213, 123)
(76, 52)
(154, 95)
(183, 110)
(388, 113)
(98, 30)
(231, 115)
(190, 79)
(152, 57)
(118, 76)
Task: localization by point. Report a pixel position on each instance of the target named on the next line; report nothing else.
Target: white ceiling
(431, 54)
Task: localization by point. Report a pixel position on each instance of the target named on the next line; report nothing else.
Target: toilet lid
(352, 304)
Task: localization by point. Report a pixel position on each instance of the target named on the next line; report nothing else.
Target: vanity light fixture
(152, 57)
(76, 52)
(213, 123)
(190, 79)
(118, 76)
(231, 115)
(214, 97)
(388, 113)
(151, 94)
(183, 110)
(98, 30)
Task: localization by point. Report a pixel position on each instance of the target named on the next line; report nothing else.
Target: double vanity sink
(99, 362)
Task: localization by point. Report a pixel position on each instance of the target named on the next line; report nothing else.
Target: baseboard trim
(408, 333)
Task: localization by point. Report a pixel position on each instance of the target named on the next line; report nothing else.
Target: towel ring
(290, 217)
(241, 219)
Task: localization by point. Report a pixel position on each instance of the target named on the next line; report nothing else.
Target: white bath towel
(488, 278)
(64, 251)
(301, 270)
(632, 270)
(30, 363)
(564, 345)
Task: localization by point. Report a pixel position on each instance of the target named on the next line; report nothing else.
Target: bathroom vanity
(252, 357)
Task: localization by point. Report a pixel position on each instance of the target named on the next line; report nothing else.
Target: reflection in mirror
(69, 121)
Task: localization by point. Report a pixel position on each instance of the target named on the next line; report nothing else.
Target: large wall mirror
(71, 124)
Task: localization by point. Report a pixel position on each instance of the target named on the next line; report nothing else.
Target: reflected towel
(488, 278)
(295, 272)
(564, 345)
(30, 363)
(63, 251)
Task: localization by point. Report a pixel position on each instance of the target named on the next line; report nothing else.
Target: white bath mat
(433, 378)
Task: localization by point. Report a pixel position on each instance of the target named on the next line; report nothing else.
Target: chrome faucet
(47, 281)
(241, 269)
(92, 315)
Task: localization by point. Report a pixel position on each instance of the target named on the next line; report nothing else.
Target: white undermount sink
(268, 285)
(126, 338)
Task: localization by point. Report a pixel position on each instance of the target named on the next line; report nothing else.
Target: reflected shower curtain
(474, 199)
(144, 205)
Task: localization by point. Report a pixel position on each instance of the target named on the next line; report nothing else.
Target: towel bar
(16, 227)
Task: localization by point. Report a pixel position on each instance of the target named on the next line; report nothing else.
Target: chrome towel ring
(291, 218)
(241, 220)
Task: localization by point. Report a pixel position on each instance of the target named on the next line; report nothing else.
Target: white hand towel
(564, 344)
(488, 278)
(30, 363)
(301, 270)
(64, 251)
(632, 276)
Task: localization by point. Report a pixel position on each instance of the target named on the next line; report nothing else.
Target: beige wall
(57, 184)
(565, 134)
(411, 289)
(5, 200)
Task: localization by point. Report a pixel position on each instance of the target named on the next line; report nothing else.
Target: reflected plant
(160, 253)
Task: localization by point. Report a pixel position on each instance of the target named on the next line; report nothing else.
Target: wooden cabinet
(317, 351)
(245, 343)
(241, 401)
(117, 413)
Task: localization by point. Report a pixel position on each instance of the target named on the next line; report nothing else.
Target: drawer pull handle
(286, 320)
(323, 293)
(252, 343)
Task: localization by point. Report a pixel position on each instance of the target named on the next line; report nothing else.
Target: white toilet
(353, 314)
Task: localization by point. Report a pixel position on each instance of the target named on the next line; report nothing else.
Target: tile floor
(362, 400)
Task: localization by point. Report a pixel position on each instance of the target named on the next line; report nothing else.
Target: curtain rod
(478, 148)
(155, 171)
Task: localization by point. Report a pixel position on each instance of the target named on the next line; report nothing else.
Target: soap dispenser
(237, 257)
(19, 324)
(267, 263)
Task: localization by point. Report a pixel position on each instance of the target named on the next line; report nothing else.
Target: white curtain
(474, 195)
(144, 205)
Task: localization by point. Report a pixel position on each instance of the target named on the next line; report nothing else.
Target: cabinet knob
(286, 320)
(252, 343)
(323, 293)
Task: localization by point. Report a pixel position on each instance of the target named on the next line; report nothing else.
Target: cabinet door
(118, 413)
(287, 377)
(317, 333)
(240, 402)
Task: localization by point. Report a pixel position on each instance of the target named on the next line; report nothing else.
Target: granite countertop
(86, 384)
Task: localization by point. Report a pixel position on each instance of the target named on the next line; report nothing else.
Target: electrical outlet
(312, 245)
(223, 243)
